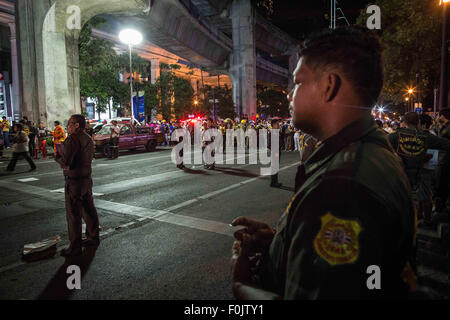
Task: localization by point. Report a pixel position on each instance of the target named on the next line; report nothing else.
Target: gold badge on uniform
(337, 241)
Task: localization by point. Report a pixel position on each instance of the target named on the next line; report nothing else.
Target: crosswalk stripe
(27, 179)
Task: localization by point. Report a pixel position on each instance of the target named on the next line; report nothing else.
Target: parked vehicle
(131, 137)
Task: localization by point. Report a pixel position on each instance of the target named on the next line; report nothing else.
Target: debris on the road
(41, 245)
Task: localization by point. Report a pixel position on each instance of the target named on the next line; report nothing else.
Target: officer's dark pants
(114, 148)
(442, 185)
(15, 157)
(274, 177)
(211, 165)
(80, 204)
(31, 146)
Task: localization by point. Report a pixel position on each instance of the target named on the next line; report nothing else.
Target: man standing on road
(20, 145)
(114, 140)
(353, 212)
(274, 183)
(76, 162)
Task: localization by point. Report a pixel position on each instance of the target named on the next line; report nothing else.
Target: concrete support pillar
(30, 16)
(243, 59)
(15, 71)
(155, 72)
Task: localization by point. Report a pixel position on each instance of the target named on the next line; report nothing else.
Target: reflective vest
(59, 135)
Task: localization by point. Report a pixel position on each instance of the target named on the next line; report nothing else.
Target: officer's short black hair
(355, 51)
(445, 113)
(274, 121)
(411, 118)
(19, 126)
(426, 120)
(57, 122)
(4, 117)
(379, 123)
(80, 119)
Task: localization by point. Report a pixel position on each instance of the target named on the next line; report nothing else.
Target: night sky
(301, 17)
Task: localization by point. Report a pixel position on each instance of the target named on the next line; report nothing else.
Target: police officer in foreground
(76, 162)
(353, 209)
(412, 144)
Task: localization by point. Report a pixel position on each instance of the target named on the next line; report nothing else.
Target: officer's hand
(240, 263)
(260, 234)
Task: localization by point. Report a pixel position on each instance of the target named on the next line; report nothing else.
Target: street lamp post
(131, 38)
(443, 99)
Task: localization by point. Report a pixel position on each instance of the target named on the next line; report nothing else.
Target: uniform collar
(351, 133)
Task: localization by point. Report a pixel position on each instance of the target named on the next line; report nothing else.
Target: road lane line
(217, 192)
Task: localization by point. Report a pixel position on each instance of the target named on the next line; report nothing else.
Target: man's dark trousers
(80, 204)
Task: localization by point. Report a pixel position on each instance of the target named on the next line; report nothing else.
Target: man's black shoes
(90, 243)
(71, 252)
(275, 185)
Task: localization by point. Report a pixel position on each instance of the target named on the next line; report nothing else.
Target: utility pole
(443, 100)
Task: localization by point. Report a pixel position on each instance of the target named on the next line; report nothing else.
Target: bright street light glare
(444, 1)
(410, 91)
(130, 37)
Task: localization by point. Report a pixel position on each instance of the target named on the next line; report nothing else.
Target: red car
(131, 137)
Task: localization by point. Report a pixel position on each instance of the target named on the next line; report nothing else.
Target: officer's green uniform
(412, 145)
(352, 211)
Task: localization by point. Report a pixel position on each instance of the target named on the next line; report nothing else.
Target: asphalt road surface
(165, 232)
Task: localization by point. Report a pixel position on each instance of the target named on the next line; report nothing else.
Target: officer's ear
(330, 83)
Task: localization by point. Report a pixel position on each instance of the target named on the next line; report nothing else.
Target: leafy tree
(150, 98)
(272, 101)
(184, 97)
(412, 39)
(172, 95)
(140, 66)
(99, 68)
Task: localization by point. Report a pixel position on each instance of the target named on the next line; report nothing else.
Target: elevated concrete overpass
(48, 46)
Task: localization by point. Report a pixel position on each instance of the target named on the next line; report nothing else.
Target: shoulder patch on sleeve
(337, 241)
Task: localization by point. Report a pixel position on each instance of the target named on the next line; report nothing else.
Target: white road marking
(215, 193)
(27, 179)
(61, 190)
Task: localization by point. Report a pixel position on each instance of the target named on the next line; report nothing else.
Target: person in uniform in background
(20, 145)
(5, 126)
(307, 146)
(443, 170)
(208, 125)
(274, 183)
(76, 162)
(345, 217)
(59, 135)
(411, 144)
(42, 139)
(114, 140)
(89, 129)
(32, 144)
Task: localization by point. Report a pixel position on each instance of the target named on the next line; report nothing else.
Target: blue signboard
(418, 110)
(139, 113)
